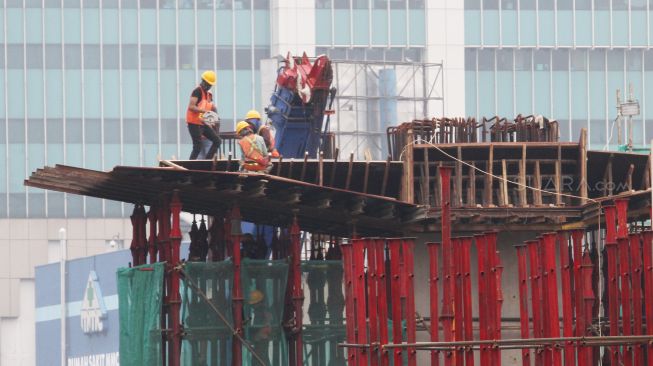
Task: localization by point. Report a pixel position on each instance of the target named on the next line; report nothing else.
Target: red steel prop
(383, 299)
(551, 283)
(407, 253)
(588, 297)
(372, 299)
(236, 348)
(457, 301)
(347, 258)
(174, 298)
(297, 292)
(359, 300)
(636, 278)
(647, 249)
(151, 243)
(567, 311)
(433, 290)
(481, 250)
(446, 317)
(613, 304)
(536, 297)
(467, 298)
(626, 322)
(523, 301)
(494, 293)
(396, 277)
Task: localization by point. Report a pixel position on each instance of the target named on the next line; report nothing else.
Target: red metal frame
(567, 311)
(626, 322)
(135, 245)
(383, 299)
(360, 320)
(523, 301)
(613, 297)
(636, 278)
(551, 283)
(536, 302)
(622, 217)
(372, 284)
(409, 275)
(647, 250)
(481, 252)
(447, 315)
(297, 293)
(348, 262)
(174, 297)
(579, 306)
(588, 296)
(163, 238)
(458, 298)
(235, 233)
(395, 296)
(467, 298)
(152, 240)
(434, 279)
(495, 299)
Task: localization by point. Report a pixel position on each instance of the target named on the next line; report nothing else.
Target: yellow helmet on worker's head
(255, 297)
(253, 114)
(209, 77)
(241, 125)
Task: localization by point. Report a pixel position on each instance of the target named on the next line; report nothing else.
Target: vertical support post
(626, 320)
(359, 289)
(448, 287)
(483, 322)
(237, 299)
(434, 299)
(613, 300)
(494, 293)
(647, 250)
(348, 262)
(372, 300)
(536, 303)
(583, 165)
(544, 293)
(567, 282)
(467, 298)
(163, 244)
(622, 217)
(297, 292)
(588, 297)
(409, 275)
(636, 278)
(551, 283)
(383, 299)
(523, 301)
(142, 235)
(395, 295)
(135, 246)
(152, 240)
(408, 188)
(458, 299)
(174, 315)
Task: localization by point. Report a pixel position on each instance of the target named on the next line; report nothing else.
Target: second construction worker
(201, 101)
(252, 146)
(253, 117)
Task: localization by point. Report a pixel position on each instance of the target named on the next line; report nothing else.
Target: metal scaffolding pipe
(446, 317)
(566, 280)
(613, 297)
(529, 341)
(433, 290)
(409, 275)
(372, 300)
(523, 300)
(383, 299)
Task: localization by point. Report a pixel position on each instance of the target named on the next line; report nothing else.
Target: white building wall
(17, 335)
(293, 27)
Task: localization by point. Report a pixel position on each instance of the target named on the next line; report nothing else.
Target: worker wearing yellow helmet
(253, 117)
(201, 101)
(253, 150)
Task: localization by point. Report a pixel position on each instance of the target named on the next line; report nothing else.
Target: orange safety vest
(269, 134)
(254, 158)
(206, 103)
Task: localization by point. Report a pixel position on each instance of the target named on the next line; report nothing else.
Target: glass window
(545, 4)
(522, 60)
(36, 132)
(73, 56)
(129, 56)
(634, 59)
(509, 4)
(560, 60)
(380, 4)
(148, 56)
(470, 59)
(638, 4)
(36, 204)
(341, 4)
(2, 57)
(602, 4)
(169, 131)
(504, 60)
(225, 58)
(397, 4)
(356, 53)
(526, 4)
(472, 4)
(111, 131)
(358, 4)
(205, 58)
(150, 131)
(564, 4)
(34, 56)
(53, 56)
(167, 55)
(615, 60)
(648, 61)
(110, 56)
(15, 56)
(186, 57)
(91, 57)
(416, 4)
(73, 130)
(486, 60)
(393, 54)
(170, 4)
(242, 4)
(54, 130)
(413, 54)
(130, 131)
(597, 60)
(92, 131)
(16, 130)
(243, 59)
(578, 60)
(17, 205)
(261, 4)
(93, 207)
(145, 4)
(583, 4)
(541, 60)
(94, 4)
(340, 53)
(52, 3)
(75, 206)
(490, 4)
(619, 4)
(259, 54)
(55, 204)
(28, 3)
(374, 54)
(110, 4)
(71, 4)
(323, 4)
(128, 4)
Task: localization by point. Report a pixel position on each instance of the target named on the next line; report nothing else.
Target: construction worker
(253, 117)
(254, 152)
(201, 101)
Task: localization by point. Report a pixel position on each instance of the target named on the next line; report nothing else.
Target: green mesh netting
(208, 340)
(324, 302)
(264, 287)
(140, 294)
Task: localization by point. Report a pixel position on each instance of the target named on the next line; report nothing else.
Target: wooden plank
(320, 170)
(459, 178)
(366, 176)
(333, 168)
(349, 168)
(629, 177)
(583, 166)
(386, 171)
(646, 177)
(437, 187)
(610, 180)
(489, 179)
(471, 189)
(537, 193)
(504, 184)
(522, 178)
(408, 188)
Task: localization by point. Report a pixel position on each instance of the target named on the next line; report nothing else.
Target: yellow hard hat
(253, 114)
(241, 125)
(255, 296)
(209, 77)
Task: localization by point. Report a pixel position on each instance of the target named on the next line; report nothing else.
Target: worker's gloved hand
(275, 153)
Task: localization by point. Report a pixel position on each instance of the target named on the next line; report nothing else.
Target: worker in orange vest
(201, 101)
(254, 152)
(253, 117)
